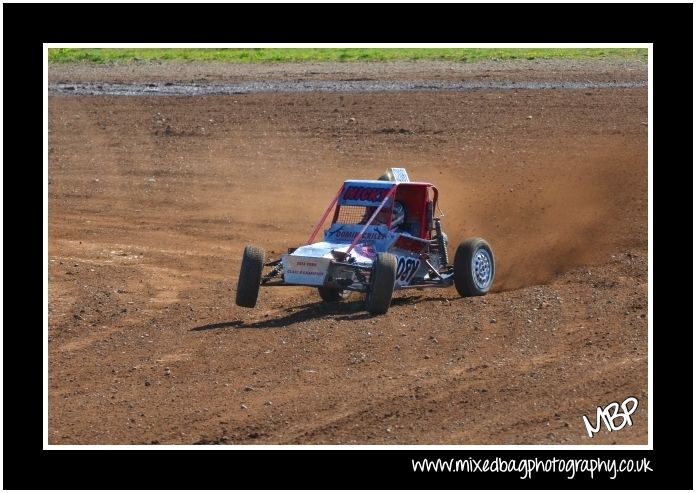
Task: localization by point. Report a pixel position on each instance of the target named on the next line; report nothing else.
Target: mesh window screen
(354, 214)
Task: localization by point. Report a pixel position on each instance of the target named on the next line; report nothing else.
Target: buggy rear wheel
(382, 280)
(474, 267)
(250, 276)
(333, 294)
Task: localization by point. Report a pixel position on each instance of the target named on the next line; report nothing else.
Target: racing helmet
(398, 214)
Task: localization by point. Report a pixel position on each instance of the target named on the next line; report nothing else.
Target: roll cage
(419, 200)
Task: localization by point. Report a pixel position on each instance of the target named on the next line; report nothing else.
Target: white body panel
(305, 270)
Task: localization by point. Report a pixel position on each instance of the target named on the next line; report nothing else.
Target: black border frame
(26, 27)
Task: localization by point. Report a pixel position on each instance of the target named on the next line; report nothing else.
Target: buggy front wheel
(250, 276)
(382, 280)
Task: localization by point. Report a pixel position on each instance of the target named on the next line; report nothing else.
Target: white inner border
(46, 46)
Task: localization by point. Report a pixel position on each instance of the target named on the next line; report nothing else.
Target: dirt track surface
(152, 199)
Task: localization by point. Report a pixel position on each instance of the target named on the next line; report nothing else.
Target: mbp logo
(610, 413)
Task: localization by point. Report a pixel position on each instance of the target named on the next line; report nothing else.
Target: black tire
(474, 267)
(333, 294)
(382, 280)
(250, 276)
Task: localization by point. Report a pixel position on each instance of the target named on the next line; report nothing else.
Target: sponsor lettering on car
(367, 194)
(349, 235)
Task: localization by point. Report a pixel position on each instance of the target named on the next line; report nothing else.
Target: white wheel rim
(482, 268)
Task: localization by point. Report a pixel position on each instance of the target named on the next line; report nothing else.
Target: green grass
(128, 55)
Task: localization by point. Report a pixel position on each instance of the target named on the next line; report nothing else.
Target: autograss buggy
(362, 253)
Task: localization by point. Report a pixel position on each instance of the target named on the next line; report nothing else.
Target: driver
(398, 215)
